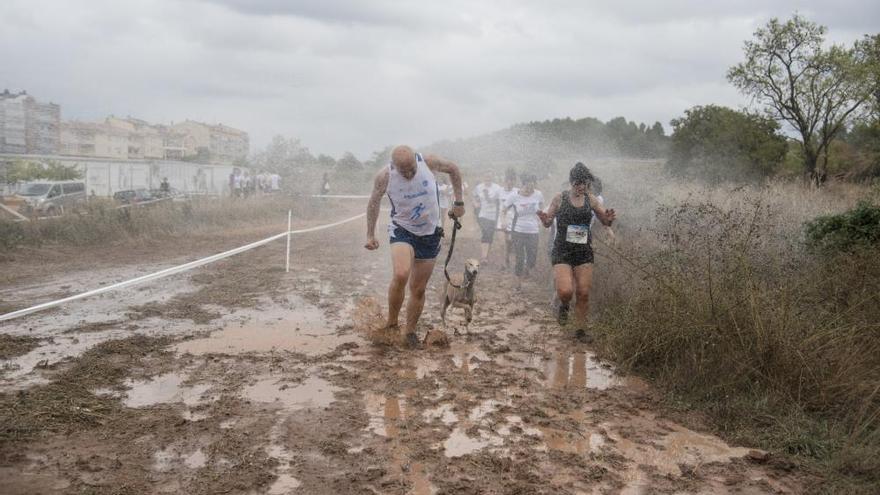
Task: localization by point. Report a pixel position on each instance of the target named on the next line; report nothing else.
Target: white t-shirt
(525, 210)
(488, 196)
(505, 219)
(276, 181)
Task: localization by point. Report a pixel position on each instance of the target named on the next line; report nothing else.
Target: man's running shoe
(581, 335)
(562, 315)
(412, 340)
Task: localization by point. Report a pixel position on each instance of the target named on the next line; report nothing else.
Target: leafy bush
(719, 144)
(858, 227)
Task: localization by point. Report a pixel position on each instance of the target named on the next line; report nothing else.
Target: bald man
(414, 229)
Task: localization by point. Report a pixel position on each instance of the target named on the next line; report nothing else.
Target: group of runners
(416, 228)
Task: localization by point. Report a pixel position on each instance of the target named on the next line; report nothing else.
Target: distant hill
(535, 145)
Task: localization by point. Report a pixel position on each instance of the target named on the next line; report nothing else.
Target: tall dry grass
(713, 294)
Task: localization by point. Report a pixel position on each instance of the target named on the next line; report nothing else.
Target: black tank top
(568, 214)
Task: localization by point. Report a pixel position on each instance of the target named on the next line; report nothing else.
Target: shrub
(855, 228)
(720, 144)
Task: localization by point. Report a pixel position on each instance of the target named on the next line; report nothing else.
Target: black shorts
(487, 227)
(572, 257)
(425, 247)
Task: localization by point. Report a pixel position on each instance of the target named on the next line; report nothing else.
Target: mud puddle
(313, 392)
(165, 389)
(303, 328)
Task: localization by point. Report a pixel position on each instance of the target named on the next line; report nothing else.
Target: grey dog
(463, 295)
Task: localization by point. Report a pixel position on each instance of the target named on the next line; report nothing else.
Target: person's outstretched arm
(606, 216)
(380, 185)
(548, 216)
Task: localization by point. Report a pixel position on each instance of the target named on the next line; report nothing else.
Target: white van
(51, 197)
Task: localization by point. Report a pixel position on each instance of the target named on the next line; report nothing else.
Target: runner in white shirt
(414, 229)
(487, 197)
(445, 192)
(505, 217)
(525, 205)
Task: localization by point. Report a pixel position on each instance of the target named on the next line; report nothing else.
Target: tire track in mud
(285, 395)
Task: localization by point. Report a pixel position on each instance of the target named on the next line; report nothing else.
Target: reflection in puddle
(304, 330)
(418, 478)
(572, 370)
(579, 370)
(163, 389)
(313, 392)
(385, 413)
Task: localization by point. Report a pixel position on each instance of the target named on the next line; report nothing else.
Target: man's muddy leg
(401, 262)
(421, 272)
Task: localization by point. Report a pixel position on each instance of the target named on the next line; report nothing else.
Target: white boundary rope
(18, 216)
(340, 196)
(173, 270)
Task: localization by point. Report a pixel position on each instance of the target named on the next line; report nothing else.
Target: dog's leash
(456, 225)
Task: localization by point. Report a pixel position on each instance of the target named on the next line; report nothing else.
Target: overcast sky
(359, 75)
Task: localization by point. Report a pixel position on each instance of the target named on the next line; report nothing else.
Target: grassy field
(101, 222)
(714, 295)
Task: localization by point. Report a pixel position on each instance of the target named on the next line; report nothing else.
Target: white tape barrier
(173, 270)
(340, 196)
(18, 216)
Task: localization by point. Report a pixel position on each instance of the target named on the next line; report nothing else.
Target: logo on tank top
(417, 211)
(424, 183)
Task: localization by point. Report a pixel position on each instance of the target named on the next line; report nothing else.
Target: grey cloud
(360, 75)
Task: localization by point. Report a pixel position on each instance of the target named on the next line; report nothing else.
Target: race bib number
(578, 234)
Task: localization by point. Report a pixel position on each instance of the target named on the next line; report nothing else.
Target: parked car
(133, 196)
(51, 197)
(174, 194)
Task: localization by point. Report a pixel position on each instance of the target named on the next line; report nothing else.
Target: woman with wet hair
(572, 254)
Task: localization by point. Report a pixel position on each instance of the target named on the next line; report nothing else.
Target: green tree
(26, 170)
(284, 156)
(349, 163)
(814, 89)
(867, 51)
(721, 144)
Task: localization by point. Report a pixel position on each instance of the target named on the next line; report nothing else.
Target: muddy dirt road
(239, 378)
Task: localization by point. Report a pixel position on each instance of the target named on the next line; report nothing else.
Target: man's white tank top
(415, 203)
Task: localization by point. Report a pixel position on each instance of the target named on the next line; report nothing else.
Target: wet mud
(292, 386)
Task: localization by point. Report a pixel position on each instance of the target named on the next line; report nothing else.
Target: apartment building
(222, 143)
(28, 126)
(94, 139)
(144, 140)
